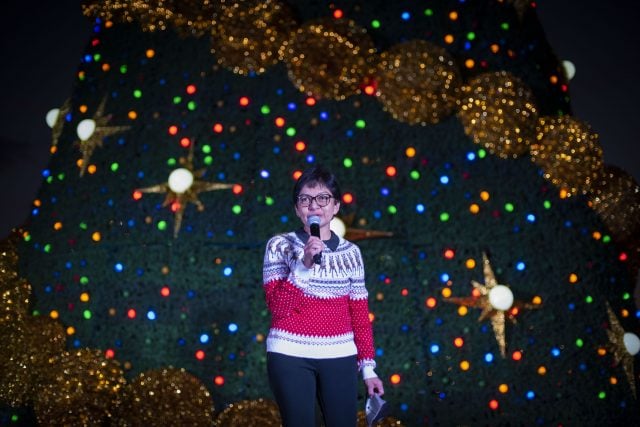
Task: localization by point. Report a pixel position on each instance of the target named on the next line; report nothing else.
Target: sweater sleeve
(284, 276)
(362, 328)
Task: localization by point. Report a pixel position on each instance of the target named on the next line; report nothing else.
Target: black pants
(297, 383)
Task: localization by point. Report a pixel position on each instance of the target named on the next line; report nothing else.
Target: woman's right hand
(313, 247)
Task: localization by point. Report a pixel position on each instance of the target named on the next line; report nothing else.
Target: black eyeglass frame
(304, 200)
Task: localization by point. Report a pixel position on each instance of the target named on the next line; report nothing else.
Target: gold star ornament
(343, 228)
(624, 346)
(496, 302)
(55, 119)
(183, 187)
(92, 131)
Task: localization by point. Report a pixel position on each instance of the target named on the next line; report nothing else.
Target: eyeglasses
(304, 200)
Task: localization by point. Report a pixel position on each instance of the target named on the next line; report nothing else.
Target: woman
(320, 334)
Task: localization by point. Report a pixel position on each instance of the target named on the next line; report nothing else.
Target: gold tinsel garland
(15, 293)
(568, 152)
(615, 197)
(329, 58)
(80, 387)
(9, 260)
(250, 413)
(28, 345)
(498, 112)
(418, 82)
(15, 378)
(385, 422)
(108, 10)
(166, 396)
(193, 17)
(153, 15)
(248, 39)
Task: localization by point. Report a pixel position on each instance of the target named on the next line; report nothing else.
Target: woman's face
(311, 195)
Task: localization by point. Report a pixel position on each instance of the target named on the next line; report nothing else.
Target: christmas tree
(500, 251)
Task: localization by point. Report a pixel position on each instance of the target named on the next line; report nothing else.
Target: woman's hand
(374, 386)
(314, 246)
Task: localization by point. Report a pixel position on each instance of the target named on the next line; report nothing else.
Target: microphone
(314, 228)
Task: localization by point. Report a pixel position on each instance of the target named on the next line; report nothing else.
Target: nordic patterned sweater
(320, 312)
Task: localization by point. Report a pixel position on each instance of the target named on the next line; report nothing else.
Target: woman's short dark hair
(317, 175)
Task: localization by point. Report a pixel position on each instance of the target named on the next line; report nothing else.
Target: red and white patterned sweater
(321, 312)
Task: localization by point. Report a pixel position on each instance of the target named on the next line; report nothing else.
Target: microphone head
(314, 229)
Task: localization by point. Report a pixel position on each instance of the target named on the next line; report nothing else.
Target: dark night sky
(42, 42)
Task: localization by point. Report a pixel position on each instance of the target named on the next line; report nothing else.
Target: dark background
(42, 43)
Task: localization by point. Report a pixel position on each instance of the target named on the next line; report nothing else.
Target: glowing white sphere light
(52, 117)
(501, 297)
(569, 69)
(180, 180)
(631, 343)
(85, 129)
(338, 227)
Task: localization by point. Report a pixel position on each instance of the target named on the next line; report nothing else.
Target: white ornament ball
(52, 117)
(180, 180)
(338, 227)
(501, 297)
(85, 129)
(569, 69)
(631, 343)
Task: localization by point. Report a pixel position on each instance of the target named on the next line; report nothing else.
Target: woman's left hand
(374, 386)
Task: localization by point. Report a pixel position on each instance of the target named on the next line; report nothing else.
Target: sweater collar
(332, 243)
